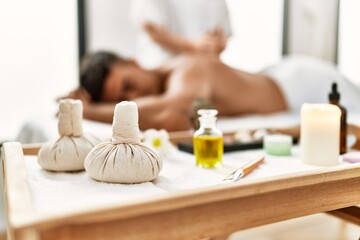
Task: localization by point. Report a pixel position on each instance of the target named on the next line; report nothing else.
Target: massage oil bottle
(208, 141)
(334, 98)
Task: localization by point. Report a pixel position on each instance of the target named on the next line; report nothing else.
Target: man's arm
(167, 39)
(101, 112)
(158, 112)
(212, 42)
(169, 112)
(163, 112)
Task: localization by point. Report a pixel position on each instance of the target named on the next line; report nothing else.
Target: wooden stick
(245, 170)
(252, 165)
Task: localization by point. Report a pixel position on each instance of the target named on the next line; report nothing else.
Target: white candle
(320, 134)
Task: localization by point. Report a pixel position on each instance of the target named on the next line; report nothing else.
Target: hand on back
(211, 42)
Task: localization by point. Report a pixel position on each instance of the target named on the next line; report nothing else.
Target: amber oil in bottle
(334, 98)
(208, 141)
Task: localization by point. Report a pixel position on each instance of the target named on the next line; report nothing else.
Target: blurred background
(41, 42)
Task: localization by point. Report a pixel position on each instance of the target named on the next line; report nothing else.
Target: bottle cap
(207, 117)
(334, 95)
(207, 112)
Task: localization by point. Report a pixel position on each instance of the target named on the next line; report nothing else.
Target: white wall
(38, 60)
(109, 27)
(256, 40)
(349, 39)
(312, 28)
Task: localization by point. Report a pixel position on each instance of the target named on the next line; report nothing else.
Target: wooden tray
(197, 214)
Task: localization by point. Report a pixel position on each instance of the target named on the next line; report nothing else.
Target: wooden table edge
(175, 202)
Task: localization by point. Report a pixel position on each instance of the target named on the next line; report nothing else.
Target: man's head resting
(94, 70)
(110, 78)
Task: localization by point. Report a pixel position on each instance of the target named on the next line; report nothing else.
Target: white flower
(158, 140)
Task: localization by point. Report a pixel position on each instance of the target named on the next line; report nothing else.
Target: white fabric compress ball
(69, 151)
(123, 159)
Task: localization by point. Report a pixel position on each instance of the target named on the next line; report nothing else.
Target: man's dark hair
(94, 69)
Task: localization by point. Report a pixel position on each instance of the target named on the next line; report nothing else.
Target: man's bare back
(165, 95)
(231, 91)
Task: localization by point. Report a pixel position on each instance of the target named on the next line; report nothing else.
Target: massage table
(184, 202)
(45, 128)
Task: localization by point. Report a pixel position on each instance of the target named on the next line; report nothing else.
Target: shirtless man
(164, 95)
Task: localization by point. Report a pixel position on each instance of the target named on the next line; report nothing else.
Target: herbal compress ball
(69, 151)
(123, 159)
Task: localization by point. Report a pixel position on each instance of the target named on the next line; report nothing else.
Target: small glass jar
(208, 141)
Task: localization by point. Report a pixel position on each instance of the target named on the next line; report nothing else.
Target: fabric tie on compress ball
(123, 159)
(125, 125)
(69, 151)
(70, 117)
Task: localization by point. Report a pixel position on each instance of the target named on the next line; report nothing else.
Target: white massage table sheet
(54, 193)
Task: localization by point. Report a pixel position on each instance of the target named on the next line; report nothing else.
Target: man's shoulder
(175, 64)
(191, 60)
(186, 67)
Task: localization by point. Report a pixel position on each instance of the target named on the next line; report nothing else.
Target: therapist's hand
(211, 42)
